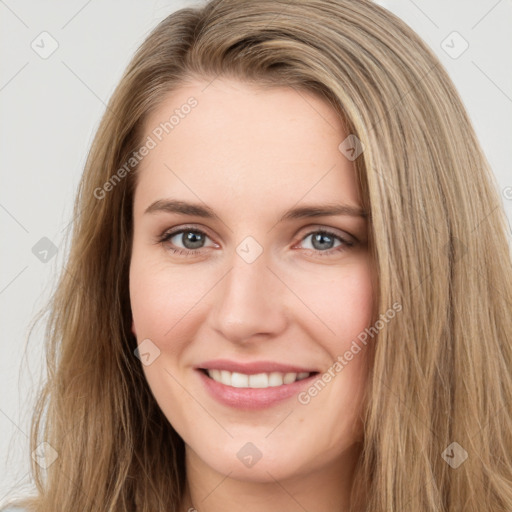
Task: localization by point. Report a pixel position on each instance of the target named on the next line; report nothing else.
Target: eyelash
(166, 236)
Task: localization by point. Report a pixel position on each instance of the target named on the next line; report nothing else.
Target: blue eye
(323, 239)
(323, 242)
(192, 239)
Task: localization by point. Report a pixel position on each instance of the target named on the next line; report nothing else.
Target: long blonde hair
(442, 370)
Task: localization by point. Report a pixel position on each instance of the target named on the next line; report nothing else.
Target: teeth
(214, 374)
(289, 378)
(258, 380)
(275, 379)
(239, 380)
(225, 377)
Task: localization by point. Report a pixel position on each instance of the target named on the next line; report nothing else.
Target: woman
(289, 279)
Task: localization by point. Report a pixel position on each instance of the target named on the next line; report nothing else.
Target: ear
(133, 329)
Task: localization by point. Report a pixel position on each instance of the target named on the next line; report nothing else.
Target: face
(244, 294)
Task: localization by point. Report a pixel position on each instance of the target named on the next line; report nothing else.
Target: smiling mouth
(257, 380)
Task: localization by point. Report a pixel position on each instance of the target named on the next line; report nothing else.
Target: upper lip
(251, 368)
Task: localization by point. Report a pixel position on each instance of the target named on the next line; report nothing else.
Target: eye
(192, 241)
(323, 241)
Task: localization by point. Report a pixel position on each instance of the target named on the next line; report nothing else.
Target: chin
(255, 462)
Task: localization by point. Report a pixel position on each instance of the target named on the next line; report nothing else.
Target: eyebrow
(301, 212)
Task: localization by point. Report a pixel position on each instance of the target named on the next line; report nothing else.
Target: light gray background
(50, 109)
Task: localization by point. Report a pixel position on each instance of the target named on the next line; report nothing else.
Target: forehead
(242, 141)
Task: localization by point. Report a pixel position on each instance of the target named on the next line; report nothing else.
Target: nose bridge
(250, 300)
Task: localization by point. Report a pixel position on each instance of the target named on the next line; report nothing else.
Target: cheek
(150, 302)
(162, 302)
(352, 302)
(162, 298)
(344, 302)
(339, 301)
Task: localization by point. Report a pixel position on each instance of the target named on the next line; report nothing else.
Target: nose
(250, 302)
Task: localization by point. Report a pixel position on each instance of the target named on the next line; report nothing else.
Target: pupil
(317, 241)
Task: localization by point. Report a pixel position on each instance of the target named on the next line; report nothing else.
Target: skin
(251, 154)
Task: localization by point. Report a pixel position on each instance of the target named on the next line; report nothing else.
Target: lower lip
(253, 398)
